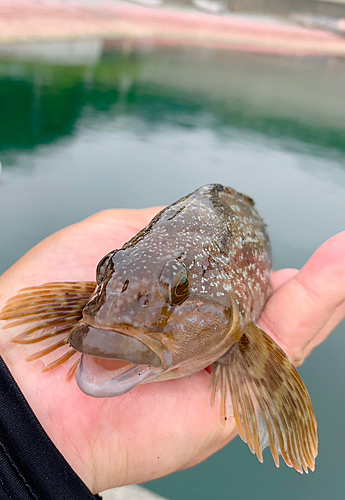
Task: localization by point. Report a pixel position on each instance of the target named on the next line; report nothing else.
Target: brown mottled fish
(183, 293)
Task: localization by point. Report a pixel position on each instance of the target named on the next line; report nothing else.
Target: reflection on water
(285, 98)
(93, 126)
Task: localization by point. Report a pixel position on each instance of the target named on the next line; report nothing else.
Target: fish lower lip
(98, 382)
(113, 345)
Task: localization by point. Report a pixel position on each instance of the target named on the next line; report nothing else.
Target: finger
(334, 320)
(279, 278)
(306, 308)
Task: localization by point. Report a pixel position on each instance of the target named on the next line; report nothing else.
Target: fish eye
(181, 290)
(102, 265)
(174, 282)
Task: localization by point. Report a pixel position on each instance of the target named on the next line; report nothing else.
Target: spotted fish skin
(222, 241)
(219, 237)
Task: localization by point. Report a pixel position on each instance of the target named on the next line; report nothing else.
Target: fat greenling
(182, 294)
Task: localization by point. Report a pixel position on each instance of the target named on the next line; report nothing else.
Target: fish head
(146, 312)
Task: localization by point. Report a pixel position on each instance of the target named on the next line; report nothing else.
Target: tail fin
(49, 311)
(268, 398)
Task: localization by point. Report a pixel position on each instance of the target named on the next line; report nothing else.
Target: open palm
(156, 428)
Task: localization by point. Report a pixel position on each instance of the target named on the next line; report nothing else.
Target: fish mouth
(115, 361)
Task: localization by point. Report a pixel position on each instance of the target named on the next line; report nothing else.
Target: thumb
(303, 311)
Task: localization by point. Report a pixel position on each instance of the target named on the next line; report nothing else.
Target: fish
(183, 294)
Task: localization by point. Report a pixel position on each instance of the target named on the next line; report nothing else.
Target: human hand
(156, 428)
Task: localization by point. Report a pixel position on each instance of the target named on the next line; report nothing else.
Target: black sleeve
(31, 467)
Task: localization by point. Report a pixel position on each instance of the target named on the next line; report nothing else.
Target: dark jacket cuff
(31, 467)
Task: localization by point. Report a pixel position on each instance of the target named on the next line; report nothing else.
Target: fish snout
(120, 345)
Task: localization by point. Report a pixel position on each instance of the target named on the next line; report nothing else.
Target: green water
(145, 127)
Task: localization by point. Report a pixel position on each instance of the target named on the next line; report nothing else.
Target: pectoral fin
(48, 312)
(268, 397)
